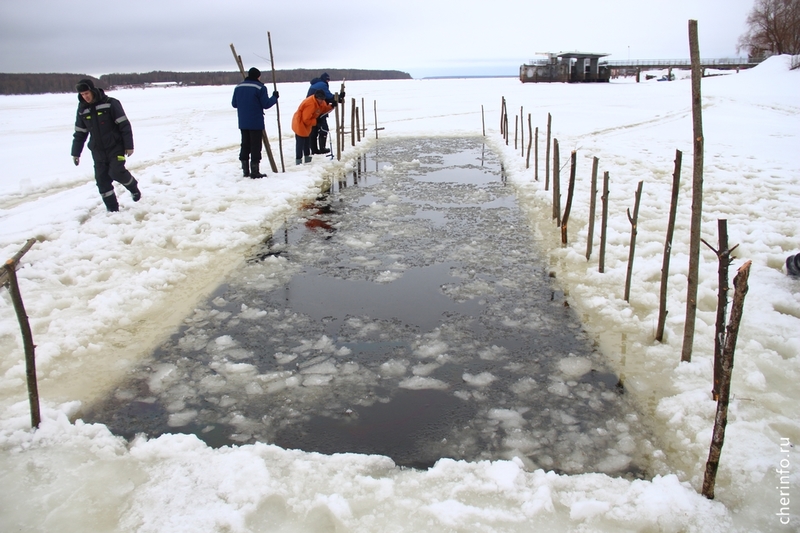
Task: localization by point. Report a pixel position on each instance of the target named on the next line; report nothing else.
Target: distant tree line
(64, 83)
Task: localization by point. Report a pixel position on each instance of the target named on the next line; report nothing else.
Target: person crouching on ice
(111, 141)
(304, 119)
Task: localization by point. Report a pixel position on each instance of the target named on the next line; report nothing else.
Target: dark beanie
(85, 85)
(325, 77)
(254, 73)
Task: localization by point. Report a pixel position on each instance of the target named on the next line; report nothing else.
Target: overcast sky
(421, 37)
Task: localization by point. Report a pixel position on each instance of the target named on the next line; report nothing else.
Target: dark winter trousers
(251, 146)
(107, 171)
(302, 146)
(319, 134)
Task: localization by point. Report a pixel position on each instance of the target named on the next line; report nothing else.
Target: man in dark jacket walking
(250, 100)
(319, 133)
(111, 141)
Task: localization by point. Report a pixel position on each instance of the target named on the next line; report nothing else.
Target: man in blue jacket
(102, 119)
(319, 133)
(250, 100)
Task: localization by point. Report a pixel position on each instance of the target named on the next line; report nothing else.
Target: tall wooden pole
(556, 182)
(601, 267)
(697, 196)
(570, 192)
(592, 208)
(277, 104)
(547, 155)
(634, 220)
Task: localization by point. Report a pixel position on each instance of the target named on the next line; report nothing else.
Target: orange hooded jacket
(307, 114)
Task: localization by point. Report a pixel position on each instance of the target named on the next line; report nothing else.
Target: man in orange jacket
(304, 119)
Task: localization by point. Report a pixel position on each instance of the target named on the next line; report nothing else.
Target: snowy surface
(103, 290)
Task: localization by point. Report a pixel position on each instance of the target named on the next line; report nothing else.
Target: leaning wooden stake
(483, 122)
(634, 222)
(673, 210)
(603, 225)
(697, 196)
(502, 116)
(277, 104)
(363, 120)
(353, 114)
(724, 258)
(521, 132)
(721, 419)
(516, 130)
(570, 191)
(264, 136)
(592, 208)
(9, 276)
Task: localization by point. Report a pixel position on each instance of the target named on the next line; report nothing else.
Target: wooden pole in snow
(697, 196)
(530, 142)
(277, 104)
(570, 191)
(603, 225)
(673, 210)
(592, 208)
(634, 220)
(721, 418)
(547, 155)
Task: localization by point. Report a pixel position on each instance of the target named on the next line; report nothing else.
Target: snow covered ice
(104, 290)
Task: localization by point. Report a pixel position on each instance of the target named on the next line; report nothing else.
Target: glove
(76, 160)
(341, 98)
(275, 95)
(129, 153)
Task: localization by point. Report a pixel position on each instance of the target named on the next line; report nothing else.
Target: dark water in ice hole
(405, 312)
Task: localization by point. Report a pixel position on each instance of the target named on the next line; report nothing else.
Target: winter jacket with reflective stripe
(105, 120)
(250, 100)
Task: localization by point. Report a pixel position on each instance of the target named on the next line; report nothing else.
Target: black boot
(245, 168)
(111, 202)
(322, 138)
(254, 172)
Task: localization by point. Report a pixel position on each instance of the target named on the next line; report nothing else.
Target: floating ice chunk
(316, 380)
(326, 367)
(614, 462)
(424, 369)
(419, 382)
(523, 386)
(431, 350)
(480, 380)
(492, 353)
(507, 417)
(344, 350)
(559, 387)
(387, 276)
(393, 368)
(163, 373)
(238, 368)
(251, 313)
(284, 358)
(224, 341)
(177, 420)
(253, 388)
(325, 344)
(219, 301)
(574, 367)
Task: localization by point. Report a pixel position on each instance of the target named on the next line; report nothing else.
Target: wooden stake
(530, 142)
(363, 120)
(592, 208)
(9, 277)
(724, 258)
(634, 221)
(536, 156)
(483, 122)
(502, 116)
(264, 136)
(570, 191)
(721, 419)
(277, 103)
(353, 112)
(358, 125)
(603, 224)
(673, 210)
(697, 196)
(547, 156)
(521, 132)
(556, 183)
(516, 129)
(338, 132)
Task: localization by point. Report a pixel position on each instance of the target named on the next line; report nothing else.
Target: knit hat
(84, 85)
(254, 73)
(325, 77)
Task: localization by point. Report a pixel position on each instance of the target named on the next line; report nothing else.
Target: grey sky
(422, 37)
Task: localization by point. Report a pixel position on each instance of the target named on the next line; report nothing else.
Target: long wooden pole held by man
(264, 136)
(277, 104)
